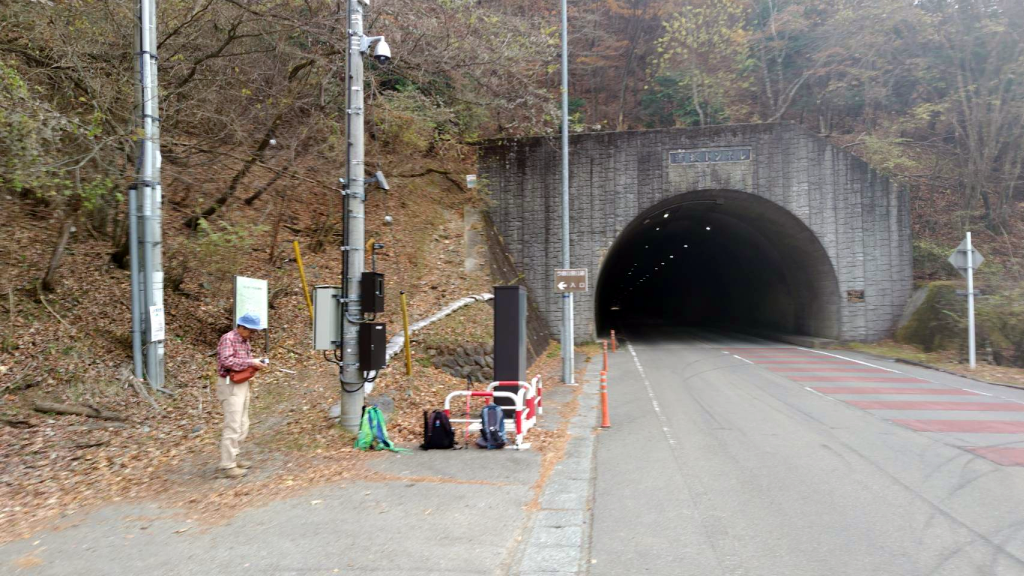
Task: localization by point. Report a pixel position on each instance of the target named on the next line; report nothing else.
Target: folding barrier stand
(527, 402)
(475, 424)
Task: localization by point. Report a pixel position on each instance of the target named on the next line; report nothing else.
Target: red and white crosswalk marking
(992, 427)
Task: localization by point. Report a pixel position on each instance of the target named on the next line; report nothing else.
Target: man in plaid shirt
(235, 354)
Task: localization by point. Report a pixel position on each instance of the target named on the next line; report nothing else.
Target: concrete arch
(718, 257)
(784, 175)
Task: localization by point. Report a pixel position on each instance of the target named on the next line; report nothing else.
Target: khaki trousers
(234, 400)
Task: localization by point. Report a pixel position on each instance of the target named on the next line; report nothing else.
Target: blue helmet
(251, 321)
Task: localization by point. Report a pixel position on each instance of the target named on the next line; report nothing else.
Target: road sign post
(567, 282)
(966, 260)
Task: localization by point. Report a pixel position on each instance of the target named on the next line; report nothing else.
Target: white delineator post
(351, 376)
(970, 303)
(568, 375)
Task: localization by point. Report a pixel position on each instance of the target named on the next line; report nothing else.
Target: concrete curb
(557, 540)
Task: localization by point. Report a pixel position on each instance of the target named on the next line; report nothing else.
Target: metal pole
(567, 319)
(149, 182)
(133, 259)
(156, 218)
(405, 327)
(970, 303)
(351, 377)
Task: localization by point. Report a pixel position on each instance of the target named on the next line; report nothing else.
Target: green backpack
(373, 434)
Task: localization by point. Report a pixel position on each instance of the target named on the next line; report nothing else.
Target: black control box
(373, 342)
(373, 293)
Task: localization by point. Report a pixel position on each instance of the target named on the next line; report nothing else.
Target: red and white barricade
(527, 402)
(531, 393)
(475, 424)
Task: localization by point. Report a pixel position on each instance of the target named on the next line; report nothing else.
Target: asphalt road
(734, 456)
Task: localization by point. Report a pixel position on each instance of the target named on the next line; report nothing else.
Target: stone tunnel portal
(718, 258)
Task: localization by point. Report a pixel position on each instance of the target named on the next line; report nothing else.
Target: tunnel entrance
(718, 258)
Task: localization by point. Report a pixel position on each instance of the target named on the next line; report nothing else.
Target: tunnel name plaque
(710, 156)
(571, 280)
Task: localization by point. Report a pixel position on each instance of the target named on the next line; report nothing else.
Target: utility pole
(351, 376)
(568, 370)
(148, 200)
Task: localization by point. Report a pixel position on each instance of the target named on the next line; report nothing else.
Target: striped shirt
(233, 353)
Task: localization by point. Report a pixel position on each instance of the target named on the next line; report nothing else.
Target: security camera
(388, 219)
(382, 54)
(379, 176)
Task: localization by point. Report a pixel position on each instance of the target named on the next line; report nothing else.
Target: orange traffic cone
(605, 422)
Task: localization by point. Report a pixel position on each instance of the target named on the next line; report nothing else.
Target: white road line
(813, 391)
(742, 358)
(980, 392)
(851, 360)
(654, 399)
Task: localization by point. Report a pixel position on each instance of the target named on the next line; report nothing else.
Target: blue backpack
(492, 431)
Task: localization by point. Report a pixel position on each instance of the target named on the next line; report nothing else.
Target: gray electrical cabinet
(326, 317)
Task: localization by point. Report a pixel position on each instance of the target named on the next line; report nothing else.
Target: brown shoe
(233, 472)
(243, 464)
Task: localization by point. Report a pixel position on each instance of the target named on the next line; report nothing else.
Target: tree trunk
(58, 253)
(270, 183)
(696, 102)
(55, 408)
(193, 221)
(277, 227)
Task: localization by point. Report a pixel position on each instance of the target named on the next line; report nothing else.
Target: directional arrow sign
(959, 258)
(571, 280)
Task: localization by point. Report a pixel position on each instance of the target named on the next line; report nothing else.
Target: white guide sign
(251, 297)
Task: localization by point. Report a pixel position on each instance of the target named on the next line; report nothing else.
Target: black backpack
(437, 432)
(492, 431)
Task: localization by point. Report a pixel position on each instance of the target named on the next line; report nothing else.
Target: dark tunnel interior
(721, 259)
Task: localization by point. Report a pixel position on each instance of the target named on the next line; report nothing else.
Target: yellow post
(405, 325)
(302, 274)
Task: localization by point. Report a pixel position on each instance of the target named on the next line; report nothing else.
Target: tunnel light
(662, 263)
(656, 229)
(671, 256)
(665, 215)
(686, 245)
(708, 228)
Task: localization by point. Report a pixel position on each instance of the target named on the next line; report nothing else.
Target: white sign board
(251, 297)
(571, 280)
(959, 258)
(470, 180)
(157, 328)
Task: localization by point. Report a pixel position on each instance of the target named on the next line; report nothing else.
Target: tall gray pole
(354, 233)
(148, 180)
(133, 259)
(970, 303)
(568, 375)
